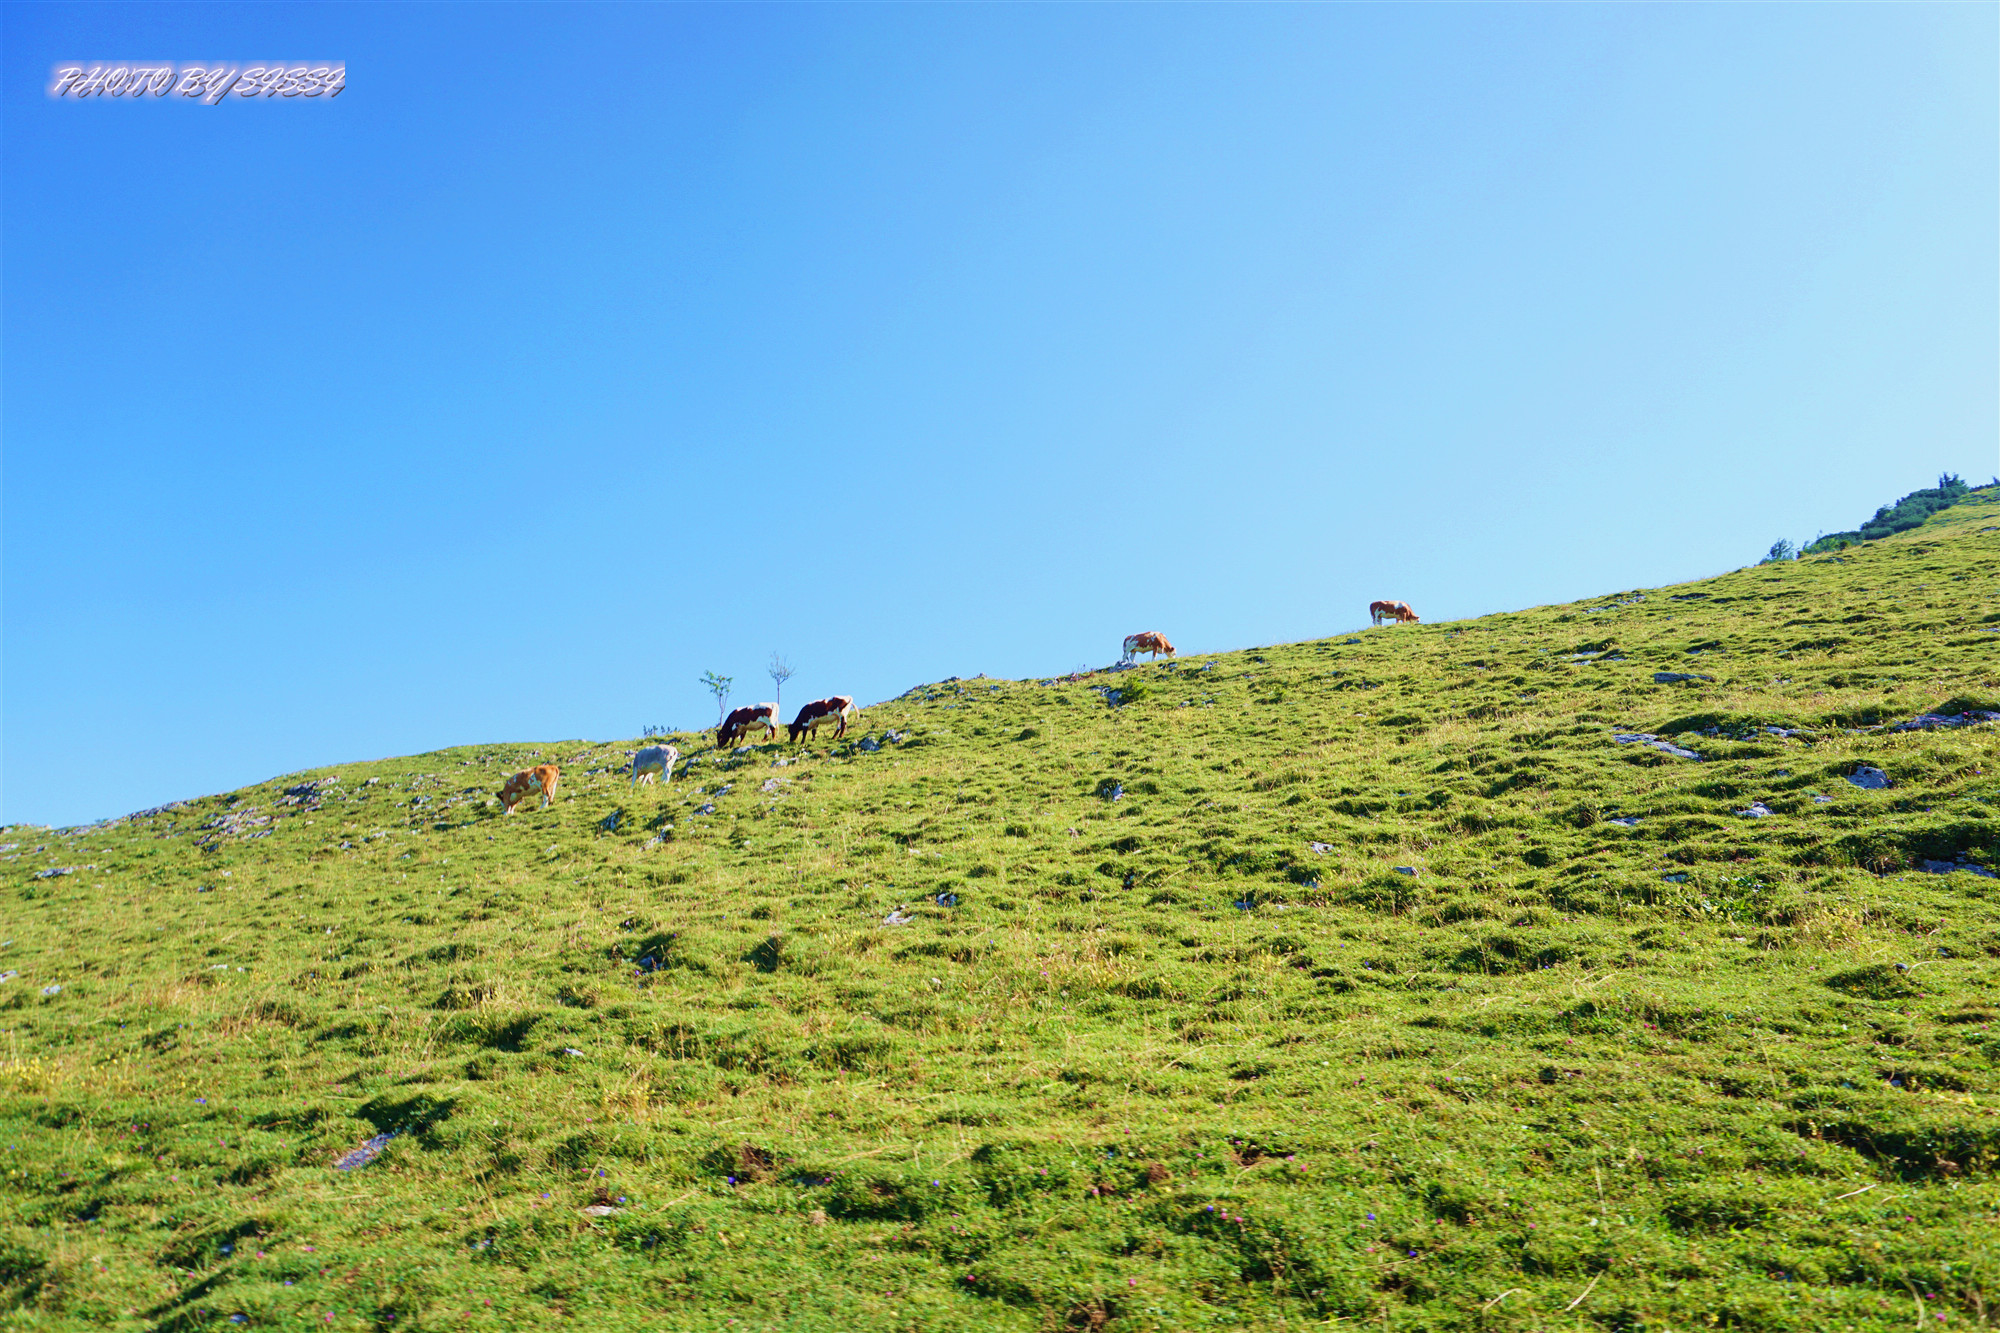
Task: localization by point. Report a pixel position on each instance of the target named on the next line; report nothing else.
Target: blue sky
(574, 351)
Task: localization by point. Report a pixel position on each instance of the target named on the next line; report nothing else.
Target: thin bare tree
(781, 671)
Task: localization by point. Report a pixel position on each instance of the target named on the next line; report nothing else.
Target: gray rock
(1652, 742)
(1677, 677)
(53, 871)
(1936, 721)
(1872, 779)
(1679, 877)
(1320, 848)
(1757, 810)
(1629, 821)
(1111, 790)
(707, 809)
(1411, 871)
(1946, 867)
(52, 990)
(1821, 800)
(870, 744)
(610, 822)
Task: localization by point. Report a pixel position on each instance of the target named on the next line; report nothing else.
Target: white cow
(654, 759)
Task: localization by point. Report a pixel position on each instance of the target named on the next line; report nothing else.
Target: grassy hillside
(1369, 980)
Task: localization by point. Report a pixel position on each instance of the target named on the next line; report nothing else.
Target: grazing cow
(654, 760)
(837, 709)
(741, 720)
(1149, 642)
(1399, 612)
(522, 785)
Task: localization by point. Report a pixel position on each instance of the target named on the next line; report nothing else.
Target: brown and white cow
(523, 784)
(1399, 612)
(837, 709)
(654, 759)
(740, 721)
(1148, 642)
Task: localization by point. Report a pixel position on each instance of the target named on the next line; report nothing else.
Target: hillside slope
(1384, 978)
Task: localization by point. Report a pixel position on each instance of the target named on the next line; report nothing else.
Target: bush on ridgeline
(1909, 512)
(1781, 549)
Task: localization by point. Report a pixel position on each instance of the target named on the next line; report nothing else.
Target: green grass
(1163, 1066)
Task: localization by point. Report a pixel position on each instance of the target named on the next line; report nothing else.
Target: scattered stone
(773, 784)
(1946, 867)
(707, 809)
(307, 794)
(356, 1158)
(1872, 779)
(52, 990)
(8, 976)
(895, 737)
(1411, 871)
(155, 811)
(946, 900)
(870, 744)
(1933, 721)
(610, 822)
(1677, 878)
(1111, 790)
(1677, 677)
(1818, 799)
(53, 871)
(1780, 731)
(1629, 821)
(1320, 848)
(1652, 742)
(1757, 810)
(235, 823)
(899, 917)
(600, 1210)
(571, 1050)
(660, 837)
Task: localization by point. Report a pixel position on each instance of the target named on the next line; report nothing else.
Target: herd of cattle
(659, 760)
